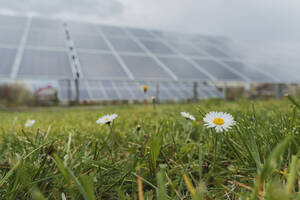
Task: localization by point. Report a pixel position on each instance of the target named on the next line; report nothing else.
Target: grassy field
(66, 155)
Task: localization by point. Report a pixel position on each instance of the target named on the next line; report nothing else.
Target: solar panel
(112, 94)
(125, 45)
(63, 94)
(84, 95)
(10, 36)
(253, 74)
(169, 36)
(140, 33)
(279, 71)
(95, 84)
(82, 28)
(120, 84)
(97, 94)
(7, 57)
(187, 93)
(174, 93)
(46, 39)
(49, 64)
(112, 31)
(138, 94)
(187, 49)
(156, 47)
(111, 53)
(12, 21)
(182, 69)
(100, 66)
(213, 51)
(106, 83)
(143, 67)
(125, 94)
(89, 42)
(47, 25)
(217, 70)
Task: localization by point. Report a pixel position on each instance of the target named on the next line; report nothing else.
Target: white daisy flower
(188, 116)
(29, 123)
(221, 121)
(107, 119)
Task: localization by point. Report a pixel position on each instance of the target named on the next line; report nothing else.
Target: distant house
(46, 96)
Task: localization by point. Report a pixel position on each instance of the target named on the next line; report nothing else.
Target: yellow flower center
(188, 116)
(106, 119)
(219, 121)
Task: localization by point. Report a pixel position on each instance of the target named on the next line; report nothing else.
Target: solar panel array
(114, 61)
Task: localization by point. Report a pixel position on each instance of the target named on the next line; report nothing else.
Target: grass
(66, 155)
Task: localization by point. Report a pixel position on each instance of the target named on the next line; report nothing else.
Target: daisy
(29, 123)
(221, 121)
(107, 119)
(188, 116)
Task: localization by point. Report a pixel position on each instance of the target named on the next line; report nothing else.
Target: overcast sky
(272, 20)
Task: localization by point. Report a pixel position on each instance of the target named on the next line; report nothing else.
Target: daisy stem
(215, 147)
(110, 127)
(188, 135)
(113, 138)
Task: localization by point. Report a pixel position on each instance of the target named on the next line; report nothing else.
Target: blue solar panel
(143, 67)
(101, 66)
(40, 63)
(7, 57)
(89, 42)
(10, 36)
(157, 47)
(46, 39)
(217, 70)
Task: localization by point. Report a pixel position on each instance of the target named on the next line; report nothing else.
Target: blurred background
(103, 51)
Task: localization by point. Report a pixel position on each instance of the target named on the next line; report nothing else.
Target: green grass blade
(271, 163)
(161, 192)
(85, 188)
(9, 173)
(294, 166)
(293, 101)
